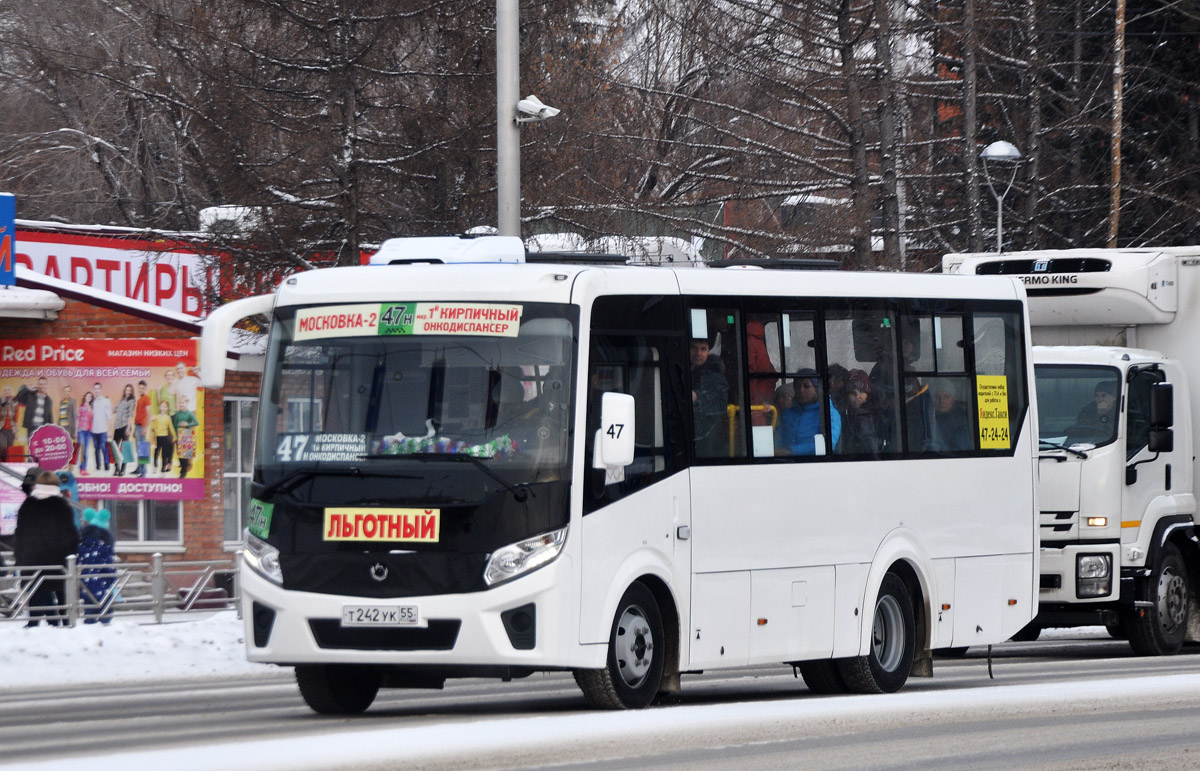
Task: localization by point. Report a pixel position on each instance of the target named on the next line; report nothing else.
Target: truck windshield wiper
(520, 492)
(1057, 446)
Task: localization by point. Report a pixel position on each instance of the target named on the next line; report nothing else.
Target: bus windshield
(344, 386)
(1077, 404)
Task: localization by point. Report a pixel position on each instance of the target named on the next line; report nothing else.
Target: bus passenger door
(636, 520)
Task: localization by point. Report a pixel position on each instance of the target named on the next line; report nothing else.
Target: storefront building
(107, 356)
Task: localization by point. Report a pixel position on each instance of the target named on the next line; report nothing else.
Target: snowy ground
(130, 649)
(212, 645)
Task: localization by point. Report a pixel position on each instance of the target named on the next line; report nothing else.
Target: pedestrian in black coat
(46, 534)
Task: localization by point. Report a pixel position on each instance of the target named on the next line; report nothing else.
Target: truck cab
(1115, 480)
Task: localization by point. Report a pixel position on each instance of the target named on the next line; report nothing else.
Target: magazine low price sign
(126, 416)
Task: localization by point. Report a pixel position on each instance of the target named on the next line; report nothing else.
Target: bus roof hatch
(449, 249)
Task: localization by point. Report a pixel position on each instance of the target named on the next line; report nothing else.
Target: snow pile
(128, 649)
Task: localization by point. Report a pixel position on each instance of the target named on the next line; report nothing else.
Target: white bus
(509, 466)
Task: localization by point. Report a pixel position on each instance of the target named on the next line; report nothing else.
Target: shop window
(236, 470)
(134, 522)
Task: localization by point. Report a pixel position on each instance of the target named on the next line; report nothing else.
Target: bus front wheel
(338, 689)
(636, 647)
(886, 667)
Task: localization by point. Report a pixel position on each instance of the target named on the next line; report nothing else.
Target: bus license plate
(380, 615)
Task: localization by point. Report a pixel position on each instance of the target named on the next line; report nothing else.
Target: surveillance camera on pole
(531, 109)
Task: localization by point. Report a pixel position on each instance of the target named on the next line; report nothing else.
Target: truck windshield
(376, 386)
(1078, 404)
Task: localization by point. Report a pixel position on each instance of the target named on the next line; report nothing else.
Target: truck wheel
(338, 689)
(636, 650)
(893, 641)
(1158, 630)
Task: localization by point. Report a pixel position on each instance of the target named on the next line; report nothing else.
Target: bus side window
(716, 366)
(938, 412)
(764, 335)
(997, 343)
(862, 403)
(806, 427)
(872, 344)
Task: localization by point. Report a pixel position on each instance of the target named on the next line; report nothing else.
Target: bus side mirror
(218, 329)
(1162, 410)
(614, 440)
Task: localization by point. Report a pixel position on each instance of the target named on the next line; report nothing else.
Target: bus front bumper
(525, 623)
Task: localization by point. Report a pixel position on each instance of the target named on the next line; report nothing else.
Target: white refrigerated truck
(1115, 334)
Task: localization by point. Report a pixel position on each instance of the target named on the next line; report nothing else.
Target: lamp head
(1001, 151)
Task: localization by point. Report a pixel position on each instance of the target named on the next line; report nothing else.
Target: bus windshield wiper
(520, 492)
(1057, 446)
(296, 476)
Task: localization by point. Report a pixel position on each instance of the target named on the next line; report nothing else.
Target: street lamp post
(508, 135)
(511, 111)
(1002, 153)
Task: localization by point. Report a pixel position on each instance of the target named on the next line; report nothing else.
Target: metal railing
(98, 592)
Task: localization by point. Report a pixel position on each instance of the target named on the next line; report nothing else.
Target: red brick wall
(203, 520)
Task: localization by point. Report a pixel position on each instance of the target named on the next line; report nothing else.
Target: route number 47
(291, 448)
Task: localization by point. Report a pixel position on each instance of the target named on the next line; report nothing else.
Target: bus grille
(440, 635)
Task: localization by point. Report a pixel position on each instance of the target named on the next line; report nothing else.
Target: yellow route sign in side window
(992, 391)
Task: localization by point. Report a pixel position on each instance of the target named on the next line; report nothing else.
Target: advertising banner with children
(132, 411)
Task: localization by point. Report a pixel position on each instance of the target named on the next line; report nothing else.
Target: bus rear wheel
(338, 689)
(1158, 630)
(886, 667)
(636, 649)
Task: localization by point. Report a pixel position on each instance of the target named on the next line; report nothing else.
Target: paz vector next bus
(471, 462)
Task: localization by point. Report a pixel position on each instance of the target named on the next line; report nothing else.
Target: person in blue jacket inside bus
(800, 424)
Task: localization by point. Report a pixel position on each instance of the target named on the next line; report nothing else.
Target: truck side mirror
(1160, 440)
(614, 440)
(1162, 409)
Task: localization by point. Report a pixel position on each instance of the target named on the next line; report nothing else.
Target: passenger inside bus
(837, 386)
(800, 427)
(953, 431)
(710, 398)
(858, 424)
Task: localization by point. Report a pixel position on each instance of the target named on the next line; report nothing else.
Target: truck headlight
(513, 560)
(1093, 575)
(262, 558)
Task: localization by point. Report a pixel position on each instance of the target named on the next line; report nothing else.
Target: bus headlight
(1093, 575)
(519, 558)
(262, 558)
